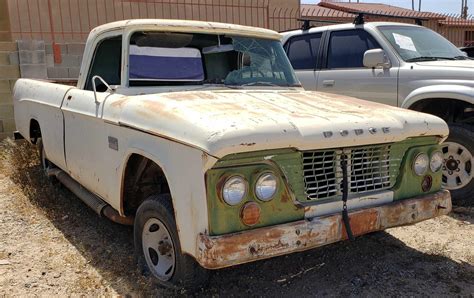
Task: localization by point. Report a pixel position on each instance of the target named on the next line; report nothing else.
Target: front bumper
(222, 251)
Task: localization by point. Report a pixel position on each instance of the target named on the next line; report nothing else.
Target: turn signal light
(250, 213)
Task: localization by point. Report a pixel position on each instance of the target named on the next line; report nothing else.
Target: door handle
(328, 83)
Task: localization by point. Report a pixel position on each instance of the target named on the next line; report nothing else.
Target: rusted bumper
(222, 251)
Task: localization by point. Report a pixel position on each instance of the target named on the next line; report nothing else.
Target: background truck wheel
(458, 171)
(158, 249)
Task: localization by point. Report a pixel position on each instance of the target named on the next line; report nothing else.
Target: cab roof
(186, 26)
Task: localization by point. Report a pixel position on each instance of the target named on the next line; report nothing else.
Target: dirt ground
(52, 244)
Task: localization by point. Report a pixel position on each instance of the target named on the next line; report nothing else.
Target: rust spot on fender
(119, 103)
(285, 197)
(220, 185)
(190, 95)
(247, 144)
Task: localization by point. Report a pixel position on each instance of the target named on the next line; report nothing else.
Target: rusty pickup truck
(200, 136)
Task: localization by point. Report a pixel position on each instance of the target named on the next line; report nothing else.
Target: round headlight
(420, 166)
(266, 187)
(234, 190)
(436, 161)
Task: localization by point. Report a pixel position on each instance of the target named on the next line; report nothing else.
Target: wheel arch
(183, 167)
(459, 93)
(34, 130)
(451, 110)
(133, 160)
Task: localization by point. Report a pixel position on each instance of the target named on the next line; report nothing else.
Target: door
(303, 52)
(87, 139)
(343, 71)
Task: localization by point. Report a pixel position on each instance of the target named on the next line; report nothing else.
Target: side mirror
(376, 58)
(94, 78)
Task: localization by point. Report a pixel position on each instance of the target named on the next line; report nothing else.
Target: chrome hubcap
(158, 249)
(457, 166)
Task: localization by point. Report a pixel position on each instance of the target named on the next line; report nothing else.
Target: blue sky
(443, 6)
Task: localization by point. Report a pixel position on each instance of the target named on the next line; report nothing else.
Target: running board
(94, 202)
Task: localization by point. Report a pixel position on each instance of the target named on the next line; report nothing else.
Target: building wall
(469, 36)
(5, 34)
(457, 35)
(71, 20)
(9, 72)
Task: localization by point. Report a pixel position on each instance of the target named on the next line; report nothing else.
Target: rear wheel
(158, 248)
(458, 171)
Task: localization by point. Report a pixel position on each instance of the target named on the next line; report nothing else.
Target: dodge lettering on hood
(200, 136)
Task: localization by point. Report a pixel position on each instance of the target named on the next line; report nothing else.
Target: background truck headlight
(420, 165)
(436, 161)
(234, 190)
(266, 186)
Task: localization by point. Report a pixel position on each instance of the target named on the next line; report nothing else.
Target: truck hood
(449, 63)
(223, 122)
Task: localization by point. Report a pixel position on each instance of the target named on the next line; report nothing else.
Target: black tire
(463, 135)
(187, 274)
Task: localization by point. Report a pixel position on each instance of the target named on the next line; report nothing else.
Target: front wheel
(458, 171)
(158, 248)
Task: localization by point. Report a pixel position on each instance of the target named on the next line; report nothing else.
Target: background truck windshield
(163, 58)
(420, 44)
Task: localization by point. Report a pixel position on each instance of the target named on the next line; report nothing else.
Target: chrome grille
(369, 168)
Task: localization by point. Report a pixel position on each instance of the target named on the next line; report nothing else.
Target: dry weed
(19, 160)
(16, 157)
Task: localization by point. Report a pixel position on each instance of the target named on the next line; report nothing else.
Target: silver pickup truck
(400, 65)
(200, 136)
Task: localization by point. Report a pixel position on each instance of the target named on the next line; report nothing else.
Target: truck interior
(170, 59)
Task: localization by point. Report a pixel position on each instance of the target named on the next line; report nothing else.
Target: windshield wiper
(260, 83)
(462, 58)
(428, 58)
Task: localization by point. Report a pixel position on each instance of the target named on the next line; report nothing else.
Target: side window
(303, 50)
(347, 48)
(106, 63)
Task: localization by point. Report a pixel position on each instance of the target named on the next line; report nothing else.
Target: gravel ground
(52, 244)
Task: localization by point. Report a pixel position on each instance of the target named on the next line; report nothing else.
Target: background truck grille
(369, 169)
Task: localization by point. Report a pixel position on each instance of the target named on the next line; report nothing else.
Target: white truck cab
(398, 64)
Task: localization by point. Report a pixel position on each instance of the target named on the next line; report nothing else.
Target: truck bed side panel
(42, 101)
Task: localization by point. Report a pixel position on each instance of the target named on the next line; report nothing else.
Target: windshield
(180, 58)
(420, 44)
